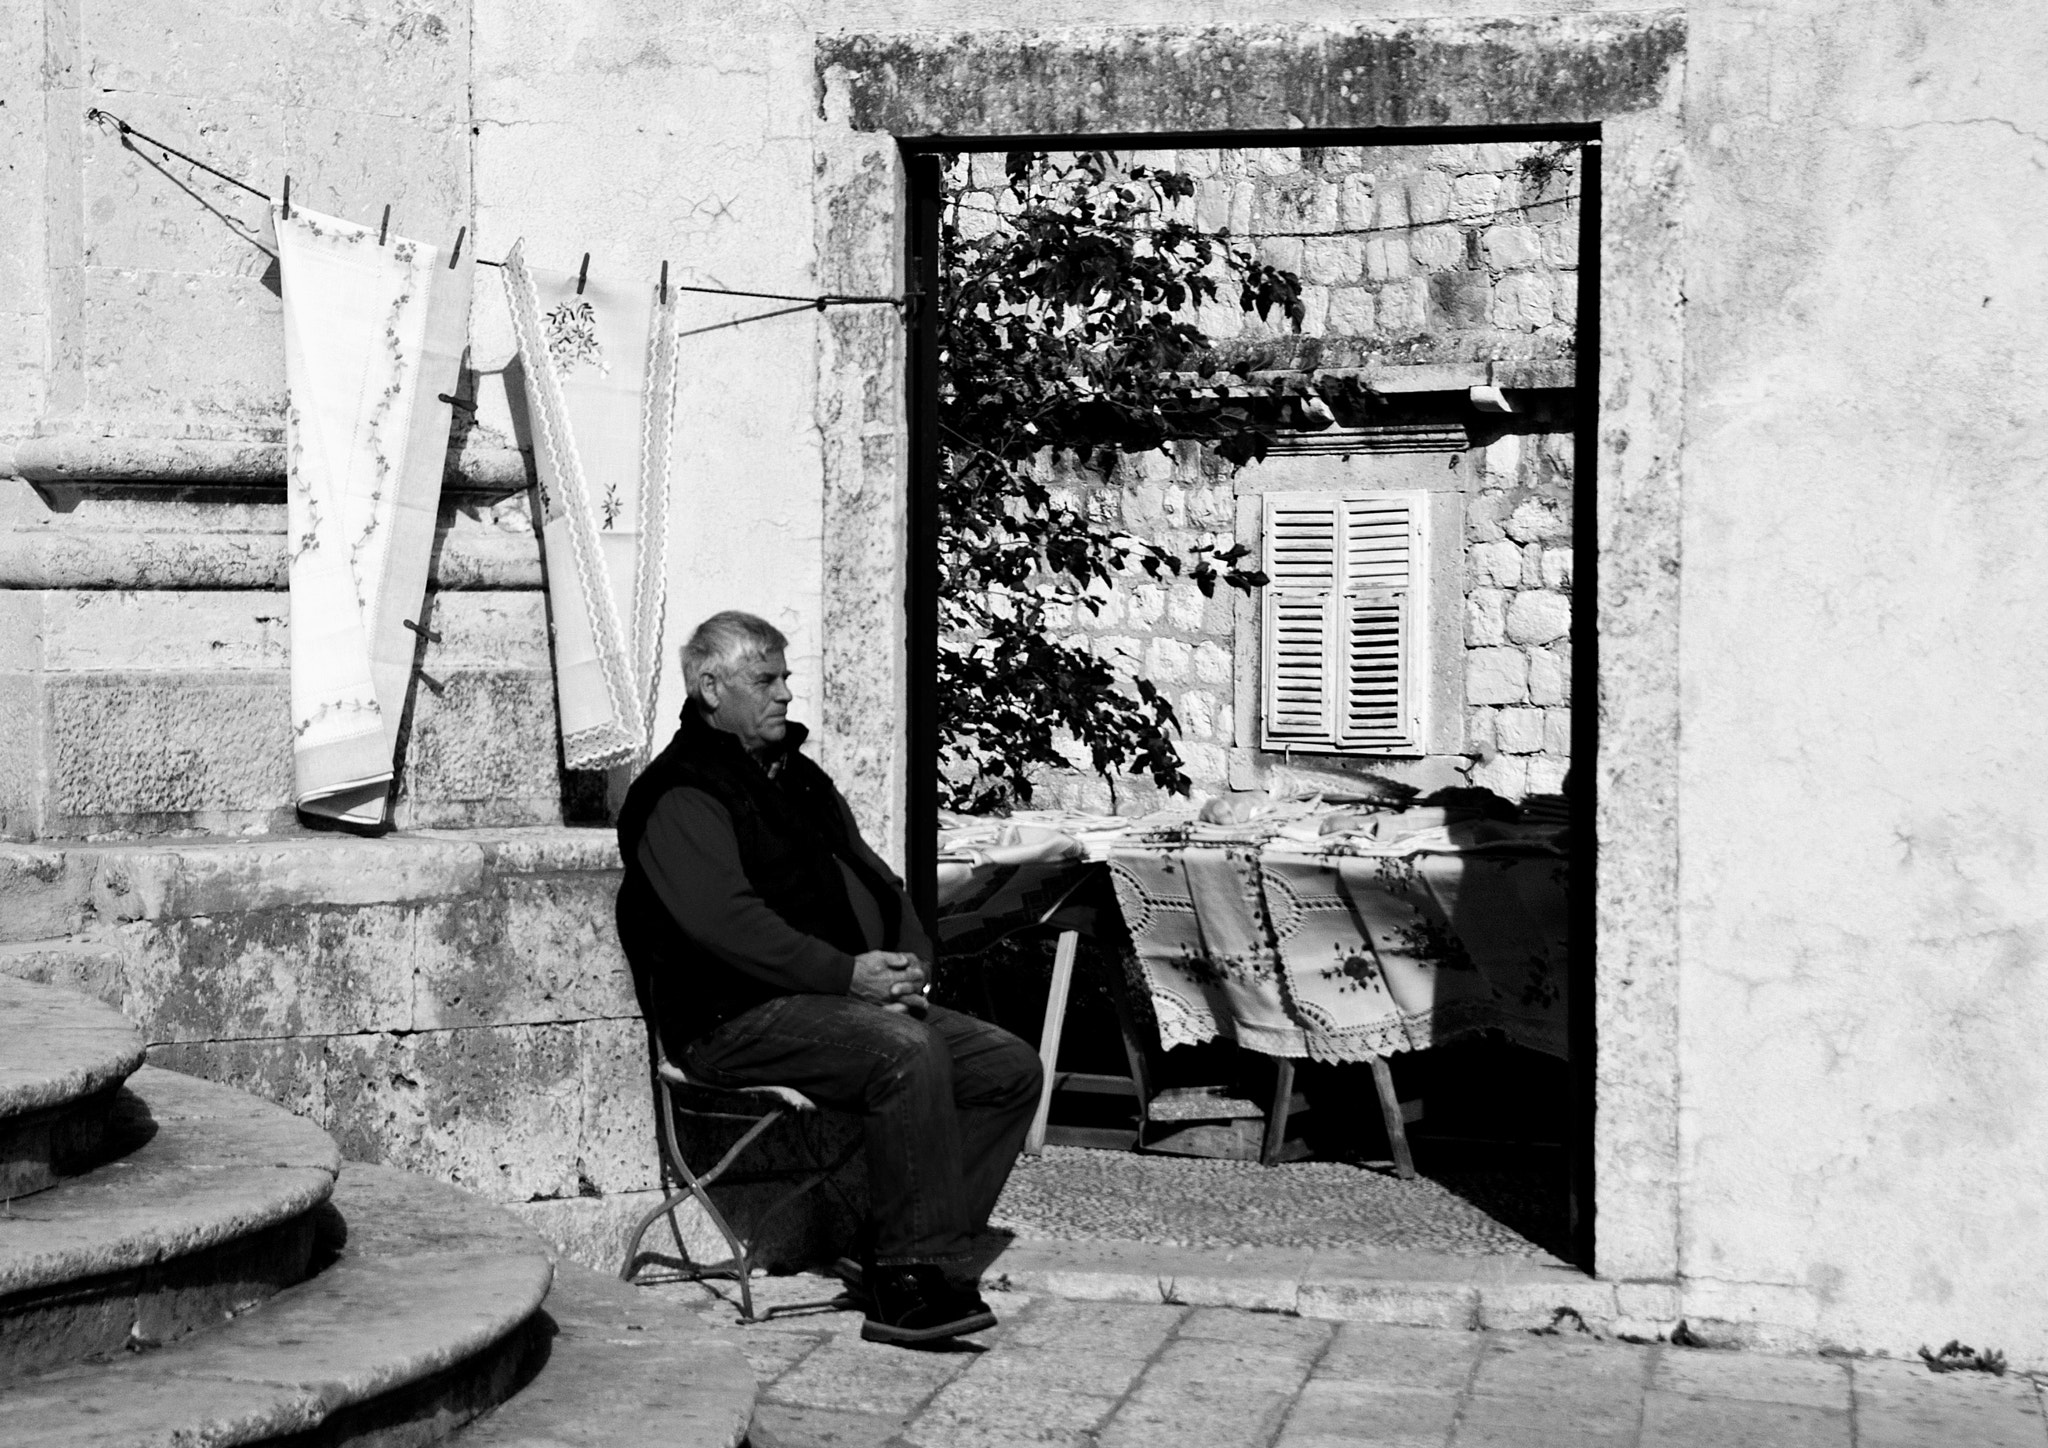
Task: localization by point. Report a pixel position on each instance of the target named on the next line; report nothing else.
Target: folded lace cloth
(373, 338)
(599, 362)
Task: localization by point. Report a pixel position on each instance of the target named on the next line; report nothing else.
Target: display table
(1390, 934)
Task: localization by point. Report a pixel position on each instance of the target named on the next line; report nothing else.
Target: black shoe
(916, 1303)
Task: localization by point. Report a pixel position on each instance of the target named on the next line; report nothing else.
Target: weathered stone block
(1331, 258)
(1460, 299)
(1498, 564)
(1538, 520)
(1519, 731)
(1485, 618)
(1524, 301)
(1539, 617)
(1351, 312)
(498, 1112)
(1437, 248)
(533, 948)
(1167, 661)
(289, 972)
(1506, 775)
(1404, 307)
(1476, 195)
(127, 751)
(617, 1133)
(1429, 198)
(1557, 731)
(1386, 257)
(1509, 248)
(1549, 677)
(1496, 676)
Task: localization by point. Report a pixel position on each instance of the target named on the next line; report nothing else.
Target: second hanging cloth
(599, 364)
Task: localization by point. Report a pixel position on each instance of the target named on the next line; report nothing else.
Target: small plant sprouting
(1169, 1293)
(1957, 1358)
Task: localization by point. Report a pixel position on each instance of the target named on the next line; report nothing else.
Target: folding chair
(765, 1107)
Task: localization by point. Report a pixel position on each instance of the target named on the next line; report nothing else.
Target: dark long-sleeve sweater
(691, 856)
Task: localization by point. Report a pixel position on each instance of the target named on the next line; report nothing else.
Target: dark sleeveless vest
(792, 837)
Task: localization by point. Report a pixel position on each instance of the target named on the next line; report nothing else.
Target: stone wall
(450, 1002)
(1408, 256)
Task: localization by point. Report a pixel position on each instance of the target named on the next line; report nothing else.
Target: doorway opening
(1345, 381)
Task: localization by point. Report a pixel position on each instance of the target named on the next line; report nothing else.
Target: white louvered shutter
(1343, 646)
(1300, 616)
(1382, 563)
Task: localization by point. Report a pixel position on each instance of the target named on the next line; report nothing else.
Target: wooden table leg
(1276, 1119)
(1390, 1112)
(1049, 1038)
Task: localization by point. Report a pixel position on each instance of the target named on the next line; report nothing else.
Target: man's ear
(710, 689)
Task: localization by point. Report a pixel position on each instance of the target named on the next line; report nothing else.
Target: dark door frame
(922, 159)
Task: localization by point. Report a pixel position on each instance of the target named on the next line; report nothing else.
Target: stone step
(62, 1057)
(425, 1317)
(624, 1370)
(206, 1210)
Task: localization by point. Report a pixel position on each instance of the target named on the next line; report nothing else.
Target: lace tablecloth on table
(1390, 933)
(1343, 954)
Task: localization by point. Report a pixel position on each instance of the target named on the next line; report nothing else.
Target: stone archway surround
(1620, 72)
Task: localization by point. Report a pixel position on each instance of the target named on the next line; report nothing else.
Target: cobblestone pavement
(1135, 1375)
(1078, 1195)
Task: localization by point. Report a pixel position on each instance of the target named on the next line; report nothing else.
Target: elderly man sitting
(784, 951)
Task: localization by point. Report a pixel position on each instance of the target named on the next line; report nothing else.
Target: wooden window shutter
(1344, 625)
(1300, 620)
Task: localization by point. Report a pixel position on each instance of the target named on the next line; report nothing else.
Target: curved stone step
(61, 1058)
(425, 1318)
(624, 1370)
(207, 1211)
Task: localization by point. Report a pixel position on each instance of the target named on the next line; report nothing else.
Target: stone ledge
(1407, 1289)
(48, 891)
(49, 558)
(183, 462)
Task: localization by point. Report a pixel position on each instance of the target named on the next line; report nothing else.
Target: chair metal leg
(693, 1186)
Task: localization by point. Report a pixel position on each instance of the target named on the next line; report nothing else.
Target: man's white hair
(723, 642)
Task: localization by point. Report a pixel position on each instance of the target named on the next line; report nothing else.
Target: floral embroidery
(572, 336)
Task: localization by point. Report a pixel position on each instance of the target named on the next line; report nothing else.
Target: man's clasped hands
(891, 979)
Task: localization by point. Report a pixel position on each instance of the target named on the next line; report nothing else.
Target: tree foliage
(1065, 325)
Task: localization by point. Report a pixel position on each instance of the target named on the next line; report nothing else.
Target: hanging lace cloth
(374, 335)
(600, 377)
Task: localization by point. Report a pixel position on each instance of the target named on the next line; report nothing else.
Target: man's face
(751, 700)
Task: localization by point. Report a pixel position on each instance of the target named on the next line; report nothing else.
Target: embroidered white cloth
(1362, 950)
(599, 362)
(373, 336)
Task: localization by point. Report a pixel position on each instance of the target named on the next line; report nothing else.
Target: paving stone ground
(1163, 1375)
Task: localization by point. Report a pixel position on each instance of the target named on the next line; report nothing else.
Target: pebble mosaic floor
(1078, 1194)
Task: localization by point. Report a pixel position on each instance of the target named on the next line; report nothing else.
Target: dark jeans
(946, 1101)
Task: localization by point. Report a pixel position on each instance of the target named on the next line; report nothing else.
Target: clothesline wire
(1476, 216)
(130, 134)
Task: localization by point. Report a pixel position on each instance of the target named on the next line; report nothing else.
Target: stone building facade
(1813, 484)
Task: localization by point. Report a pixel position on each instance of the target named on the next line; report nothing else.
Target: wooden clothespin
(287, 208)
(455, 253)
(384, 226)
(583, 274)
(663, 294)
